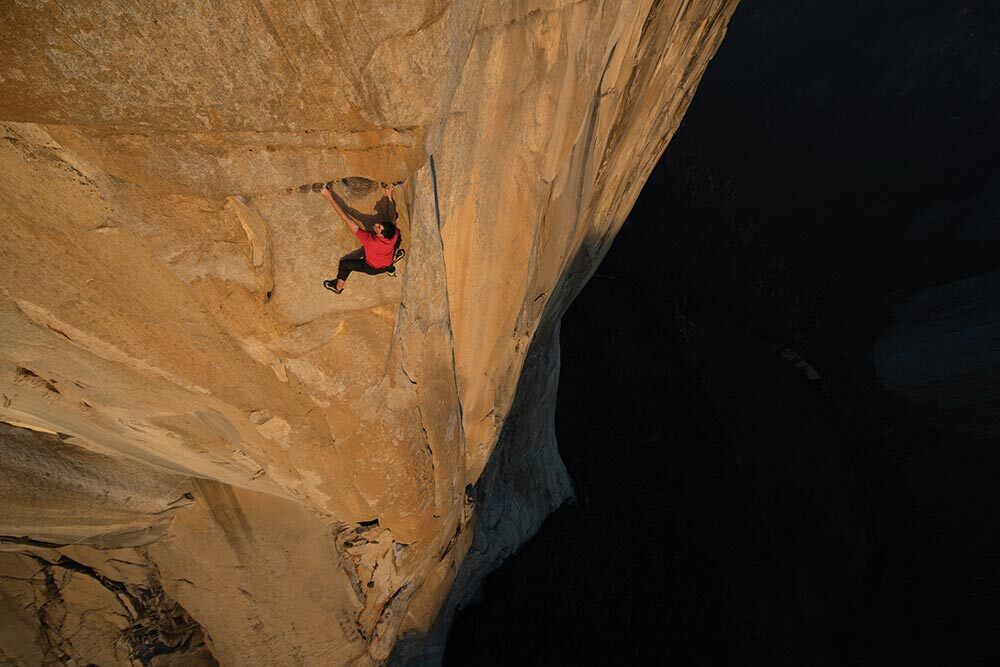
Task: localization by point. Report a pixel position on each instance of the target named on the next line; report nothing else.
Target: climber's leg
(352, 261)
(349, 263)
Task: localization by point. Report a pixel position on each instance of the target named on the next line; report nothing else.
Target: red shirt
(378, 251)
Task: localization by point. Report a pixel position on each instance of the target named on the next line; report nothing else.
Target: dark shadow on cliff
(357, 187)
(692, 540)
(838, 157)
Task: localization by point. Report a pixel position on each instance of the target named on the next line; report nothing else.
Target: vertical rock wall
(289, 468)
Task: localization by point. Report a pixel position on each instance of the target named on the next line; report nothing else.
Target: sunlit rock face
(206, 455)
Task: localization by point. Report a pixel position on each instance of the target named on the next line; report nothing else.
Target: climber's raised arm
(353, 224)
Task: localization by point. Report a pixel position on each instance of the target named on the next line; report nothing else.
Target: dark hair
(388, 229)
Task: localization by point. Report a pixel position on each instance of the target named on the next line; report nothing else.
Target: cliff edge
(207, 457)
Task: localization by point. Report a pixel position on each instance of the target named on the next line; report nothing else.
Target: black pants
(355, 261)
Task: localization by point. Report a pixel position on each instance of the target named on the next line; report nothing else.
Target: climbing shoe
(391, 272)
(398, 255)
(332, 286)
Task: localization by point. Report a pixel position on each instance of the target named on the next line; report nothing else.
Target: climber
(379, 249)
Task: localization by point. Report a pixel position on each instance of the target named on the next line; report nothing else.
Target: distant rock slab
(943, 353)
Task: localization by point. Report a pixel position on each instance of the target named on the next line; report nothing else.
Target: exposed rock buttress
(207, 456)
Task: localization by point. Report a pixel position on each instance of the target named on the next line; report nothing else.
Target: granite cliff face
(208, 457)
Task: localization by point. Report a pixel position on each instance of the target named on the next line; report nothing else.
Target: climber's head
(384, 229)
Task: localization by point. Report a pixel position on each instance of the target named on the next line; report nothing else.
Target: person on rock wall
(379, 249)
